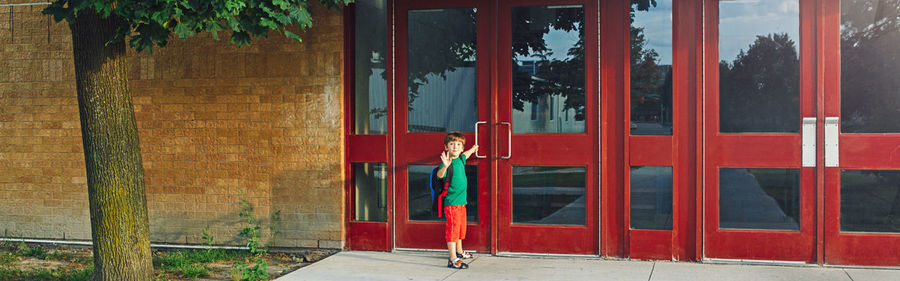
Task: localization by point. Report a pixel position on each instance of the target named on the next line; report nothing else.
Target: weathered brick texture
(217, 123)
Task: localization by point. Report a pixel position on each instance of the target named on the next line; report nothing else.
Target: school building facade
(708, 130)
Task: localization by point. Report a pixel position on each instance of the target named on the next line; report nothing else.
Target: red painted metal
(613, 59)
(687, 28)
(677, 151)
(362, 149)
(758, 150)
(820, 135)
(424, 148)
(857, 152)
(650, 244)
(650, 150)
(564, 149)
(698, 141)
(374, 236)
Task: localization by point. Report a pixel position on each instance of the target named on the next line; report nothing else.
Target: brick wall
(217, 123)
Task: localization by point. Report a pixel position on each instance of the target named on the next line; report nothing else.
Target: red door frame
(856, 152)
(676, 151)
(424, 148)
(686, 235)
(759, 150)
(375, 236)
(547, 149)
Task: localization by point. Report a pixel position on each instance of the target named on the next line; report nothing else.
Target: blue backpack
(439, 188)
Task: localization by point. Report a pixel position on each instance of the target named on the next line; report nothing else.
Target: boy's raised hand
(445, 158)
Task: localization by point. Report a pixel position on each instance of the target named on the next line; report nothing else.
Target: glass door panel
(441, 51)
(862, 162)
(759, 200)
(546, 137)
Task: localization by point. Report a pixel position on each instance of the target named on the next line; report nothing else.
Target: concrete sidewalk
(354, 265)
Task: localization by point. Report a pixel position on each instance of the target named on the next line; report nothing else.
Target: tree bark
(115, 175)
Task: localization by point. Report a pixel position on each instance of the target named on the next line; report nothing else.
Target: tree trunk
(115, 175)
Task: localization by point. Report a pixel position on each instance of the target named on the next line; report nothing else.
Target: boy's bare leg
(451, 247)
(459, 248)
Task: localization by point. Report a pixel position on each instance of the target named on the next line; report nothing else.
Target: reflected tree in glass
(448, 39)
(651, 76)
(539, 72)
(870, 201)
(870, 66)
(759, 91)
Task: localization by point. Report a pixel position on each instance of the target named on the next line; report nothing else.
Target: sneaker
(457, 263)
(464, 255)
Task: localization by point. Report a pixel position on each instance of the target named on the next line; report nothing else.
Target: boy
(453, 157)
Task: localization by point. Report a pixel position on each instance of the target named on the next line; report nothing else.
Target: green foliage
(245, 272)
(152, 23)
(7, 259)
(190, 263)
(251, 230)
(37, 252)
(14, 246)
(207, 238)
(42, 274)
(192, 271)
(58, 255)
(176, 259)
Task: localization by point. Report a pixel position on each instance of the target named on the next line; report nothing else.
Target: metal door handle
(508, 140)
(476, 138)
(809, 142)
(831, 141)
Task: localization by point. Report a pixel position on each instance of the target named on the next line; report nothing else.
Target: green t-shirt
(456, 194)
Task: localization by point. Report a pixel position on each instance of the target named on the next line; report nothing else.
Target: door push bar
(831, 141)
(809, 142)
(508, 140)
(476, 138)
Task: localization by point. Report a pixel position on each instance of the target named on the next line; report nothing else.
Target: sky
(739, 23)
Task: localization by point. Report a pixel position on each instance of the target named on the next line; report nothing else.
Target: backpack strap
(431, 184)
(448, 176)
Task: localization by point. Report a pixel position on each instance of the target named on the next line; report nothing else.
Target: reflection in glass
(441, 70)
(420, 194)
(548, 195)
(548, 69)
(370, 97)
(870, 201)
(870, 63)
(651, 198)
(651, 68)
(759, 198)
(370, 191)
(759, 66)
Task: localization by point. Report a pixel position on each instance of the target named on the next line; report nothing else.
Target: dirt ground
(75, 258)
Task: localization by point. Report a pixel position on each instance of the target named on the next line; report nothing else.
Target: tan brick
(214, 121)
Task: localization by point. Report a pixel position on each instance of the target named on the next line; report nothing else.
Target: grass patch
(42, 274)
(7, 259)
(190, 263)
(170, 260)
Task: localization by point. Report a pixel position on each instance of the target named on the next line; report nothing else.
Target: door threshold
(757, 262)
(540, 255)
(416, 250)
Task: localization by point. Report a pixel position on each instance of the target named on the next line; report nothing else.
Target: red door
(442, 70)
(759, 186)
(547, 127)
(862, 132)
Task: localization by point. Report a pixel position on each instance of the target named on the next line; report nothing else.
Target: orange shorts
(456, 222)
